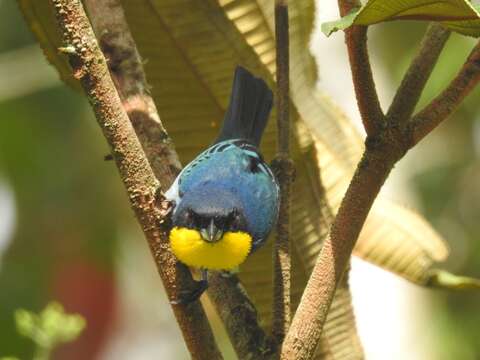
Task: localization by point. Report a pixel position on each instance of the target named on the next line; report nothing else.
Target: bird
(226, 200)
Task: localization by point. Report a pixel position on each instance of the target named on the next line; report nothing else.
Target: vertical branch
(284, 170)
(303, 336)
(365, 92)
(89, 67)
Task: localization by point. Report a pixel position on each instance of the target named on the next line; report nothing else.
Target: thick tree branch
(89, 66)
(365, 92)
(127, 73)
(372, 171)
(445, 103)
(385, 145)
(416, 77)
(124, 62)
(283, 168)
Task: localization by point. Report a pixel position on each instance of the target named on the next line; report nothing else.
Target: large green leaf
(458, 15)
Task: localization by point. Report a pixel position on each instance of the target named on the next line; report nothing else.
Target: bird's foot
(186, 297)
(229, 273)
(163, 204)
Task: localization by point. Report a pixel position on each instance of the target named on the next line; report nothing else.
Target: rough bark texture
(89, 66)
(126, 69)
(240, 319)
(372, 171)
(283, 167)
(416, 77)
(364, 85)
(446, 103)
(382, 152)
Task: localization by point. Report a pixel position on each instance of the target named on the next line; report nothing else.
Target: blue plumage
(230, 175)
(229, 188)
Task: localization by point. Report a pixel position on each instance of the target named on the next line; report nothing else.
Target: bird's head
(210, 230)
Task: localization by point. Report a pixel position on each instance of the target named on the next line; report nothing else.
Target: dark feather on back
(250, 104)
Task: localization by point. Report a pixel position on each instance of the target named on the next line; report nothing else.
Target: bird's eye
(234, 220)
(189, 217)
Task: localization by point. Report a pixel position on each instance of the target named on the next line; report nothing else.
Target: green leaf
(465, 27)
(444, 279)
(343, 23)
(51, 327)
(458, 15)
(376, 11)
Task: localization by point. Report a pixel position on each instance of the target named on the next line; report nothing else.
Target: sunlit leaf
(379, 10)
(465, 27)
(443, 279)
(343, 23)
(409, 251)
(458, 15)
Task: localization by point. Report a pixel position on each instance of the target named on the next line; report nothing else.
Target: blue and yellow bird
(227, 198)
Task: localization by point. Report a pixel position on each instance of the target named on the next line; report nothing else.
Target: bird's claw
(186, 297)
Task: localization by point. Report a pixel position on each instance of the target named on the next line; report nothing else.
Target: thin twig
(283, 167)
(416, 77)
(445, 103)
(89, 66)
(365, 92)
(235, 308)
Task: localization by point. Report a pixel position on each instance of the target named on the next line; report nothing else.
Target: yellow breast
(189, 247)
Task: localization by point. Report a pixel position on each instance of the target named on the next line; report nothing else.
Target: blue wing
(234, 167)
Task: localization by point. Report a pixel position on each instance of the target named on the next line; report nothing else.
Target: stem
(282, 74)
(284, 171)
(445, 103)
(416, 77)
(363, 83)
(89, 66)
(372, 171)
(240, 318)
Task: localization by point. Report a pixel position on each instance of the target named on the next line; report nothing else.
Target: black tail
(250, 104)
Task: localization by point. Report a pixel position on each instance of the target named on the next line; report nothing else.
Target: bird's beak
(211, 234)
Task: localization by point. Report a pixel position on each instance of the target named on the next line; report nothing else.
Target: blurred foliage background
(67, 233)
